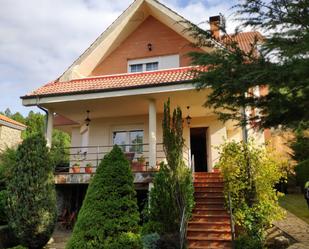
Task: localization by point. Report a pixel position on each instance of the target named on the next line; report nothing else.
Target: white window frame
(164, 62)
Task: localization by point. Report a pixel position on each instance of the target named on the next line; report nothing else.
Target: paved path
(296, 228)
(59, 239)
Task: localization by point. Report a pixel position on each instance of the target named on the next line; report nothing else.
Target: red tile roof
(244, 39)
(133, 80)
(11, 121)
(116, 82)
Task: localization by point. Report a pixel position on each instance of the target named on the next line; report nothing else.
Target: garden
(110, 218)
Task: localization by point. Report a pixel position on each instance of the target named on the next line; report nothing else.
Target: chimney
(215, 22)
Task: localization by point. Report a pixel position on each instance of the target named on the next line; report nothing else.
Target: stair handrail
(231, 219)
(183, 226)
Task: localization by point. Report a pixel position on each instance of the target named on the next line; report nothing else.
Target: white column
(49, 128)
(152, 133)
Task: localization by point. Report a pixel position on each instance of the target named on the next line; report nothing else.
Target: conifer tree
(31, 194)
(282, 65)
(109, 215)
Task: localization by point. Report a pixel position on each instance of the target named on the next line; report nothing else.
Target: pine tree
(109, 215)
(282, 65)
(31, 194)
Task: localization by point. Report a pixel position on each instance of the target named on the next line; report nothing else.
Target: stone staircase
(209, 226)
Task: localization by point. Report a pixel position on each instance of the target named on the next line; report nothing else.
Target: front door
(199, 148)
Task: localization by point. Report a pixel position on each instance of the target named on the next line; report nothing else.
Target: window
(136, 68)
(153, 63)
(152, 66)
(129, 141)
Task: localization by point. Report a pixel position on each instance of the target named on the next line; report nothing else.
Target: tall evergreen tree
(31, 194)
(282, 65)
(109, 216)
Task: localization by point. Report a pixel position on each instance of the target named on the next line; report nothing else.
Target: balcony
(83, 162)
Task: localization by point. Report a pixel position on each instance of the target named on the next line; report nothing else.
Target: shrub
(248, 242)
(250, 173)
(109, 214)
(7, 160)
(150, 241)
(302, 173)
(3, 200)
(31, 194)
(123, 241)
(172, 194)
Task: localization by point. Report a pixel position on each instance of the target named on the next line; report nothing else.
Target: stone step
(210, 241)
(218, 189)
(210, 225)
(208, 176)
(208, 195)
(206, 244)
(208, 179)
(209, 184)
(208, 204)
(211, 212)
(209, 233)
(203, 217)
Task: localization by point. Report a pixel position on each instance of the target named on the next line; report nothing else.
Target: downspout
(46, 116)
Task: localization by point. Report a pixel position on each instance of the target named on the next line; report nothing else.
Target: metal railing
(183, 228)
(81, 158)
(85, 159)
(230, 204)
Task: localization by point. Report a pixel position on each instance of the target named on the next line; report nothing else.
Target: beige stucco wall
(101, 130)
(9, 137)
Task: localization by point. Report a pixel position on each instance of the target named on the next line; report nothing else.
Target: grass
(296, 204)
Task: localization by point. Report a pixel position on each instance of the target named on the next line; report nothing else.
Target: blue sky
(40, 39)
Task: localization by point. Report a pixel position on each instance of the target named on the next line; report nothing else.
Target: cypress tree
(31, 194)
(109, 215)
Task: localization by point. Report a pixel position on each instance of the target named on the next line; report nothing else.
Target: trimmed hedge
(109, 215)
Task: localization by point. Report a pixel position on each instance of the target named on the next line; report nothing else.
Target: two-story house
(114, 94)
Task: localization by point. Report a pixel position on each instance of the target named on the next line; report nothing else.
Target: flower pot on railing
(88, 168)
(76, 168)
(139, 164)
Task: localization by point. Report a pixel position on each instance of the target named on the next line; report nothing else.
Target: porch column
(152, 133)
(49, 128)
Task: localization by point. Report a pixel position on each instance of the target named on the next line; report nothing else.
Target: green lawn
(296, 204)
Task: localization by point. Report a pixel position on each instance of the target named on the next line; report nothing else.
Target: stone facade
(9, 137)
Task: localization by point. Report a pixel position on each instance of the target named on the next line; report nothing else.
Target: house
(10, 133)
(115, 91)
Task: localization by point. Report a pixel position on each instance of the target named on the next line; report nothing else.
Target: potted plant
(76, 168)
(88, 168)
(216, 168)
(139, 164)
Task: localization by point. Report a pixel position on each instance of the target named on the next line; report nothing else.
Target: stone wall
(9, 137)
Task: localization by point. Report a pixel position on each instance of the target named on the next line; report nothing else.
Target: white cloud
(40, 39)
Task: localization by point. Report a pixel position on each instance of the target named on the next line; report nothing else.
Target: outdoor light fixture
(149, 45)
(188, 118)
(87, 120)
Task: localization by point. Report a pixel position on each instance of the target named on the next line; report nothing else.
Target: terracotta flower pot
(88, 170)
(136, 166)
(76, 169)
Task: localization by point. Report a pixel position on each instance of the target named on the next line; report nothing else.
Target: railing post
(231, 220)
(98, 151)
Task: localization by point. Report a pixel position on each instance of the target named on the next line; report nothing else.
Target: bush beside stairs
(209, 226)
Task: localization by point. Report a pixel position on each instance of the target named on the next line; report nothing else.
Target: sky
(39, 40)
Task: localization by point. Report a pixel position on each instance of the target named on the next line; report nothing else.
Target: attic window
(135, 68)
(152, 66)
